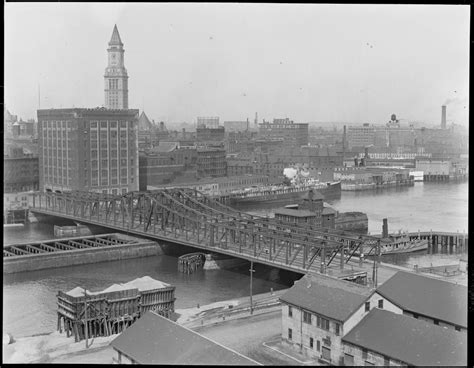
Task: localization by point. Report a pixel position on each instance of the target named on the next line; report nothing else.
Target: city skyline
(308, 62)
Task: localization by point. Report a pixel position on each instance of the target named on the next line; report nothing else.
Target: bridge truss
(189, 217)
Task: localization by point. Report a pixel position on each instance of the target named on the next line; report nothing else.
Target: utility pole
(85, 318)
(251, 279)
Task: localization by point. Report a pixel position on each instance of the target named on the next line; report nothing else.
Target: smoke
(455, 100)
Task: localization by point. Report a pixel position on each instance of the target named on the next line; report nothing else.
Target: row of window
(321, 322)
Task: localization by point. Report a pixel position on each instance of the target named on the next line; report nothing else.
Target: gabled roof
(143, 122)
(427, 296)
(329, 297)
(153, 339)
(115, 39)
(409, 340)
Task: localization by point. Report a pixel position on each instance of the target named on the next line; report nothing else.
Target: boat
(284, 193)
(401, 243)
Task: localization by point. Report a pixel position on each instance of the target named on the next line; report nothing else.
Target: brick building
(88, 149)
(20, 171)
(211, 161)
(293, 134)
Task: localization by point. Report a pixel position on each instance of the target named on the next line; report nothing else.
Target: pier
(77, 250)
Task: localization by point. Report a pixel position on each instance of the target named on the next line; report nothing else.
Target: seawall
(34, 262)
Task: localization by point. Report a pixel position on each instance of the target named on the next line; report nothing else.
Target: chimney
(443, 117)
(366, 152)
(344, 143)
(385, 228)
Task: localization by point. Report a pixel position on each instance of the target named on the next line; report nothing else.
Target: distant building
(308, 212)
(208, 122)
(293, 134)
(88, 149)
(156, 340)
(205, 134)
(211, 161)
(236, 126)
(116, 77)
(20, 171)
(360, 136)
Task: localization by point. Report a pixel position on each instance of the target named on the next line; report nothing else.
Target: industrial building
(88, 149)
(293, 134)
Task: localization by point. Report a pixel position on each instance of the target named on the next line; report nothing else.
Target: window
(290, 334)
(326, 353)
(364, 353)
(348, 359)
(381, 303)
(290, 311)
(337, 329)
(306, 317)
(324, 323)
(311, 343)
(367, 306)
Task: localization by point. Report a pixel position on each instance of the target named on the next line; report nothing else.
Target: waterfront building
(208, 122)
(157, 340)
(114, 309)
(116, 77)
(309, 211)
(428, 299)
(20, 170)
(88, 149)
(318, 311)
(293, 134)
(384, 338)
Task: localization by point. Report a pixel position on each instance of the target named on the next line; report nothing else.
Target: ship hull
(331, 191)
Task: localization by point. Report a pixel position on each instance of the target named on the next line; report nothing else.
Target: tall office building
(116, 77)
(88, 149)
(294, 134)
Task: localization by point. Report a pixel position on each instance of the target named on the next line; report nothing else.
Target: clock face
(114, 58)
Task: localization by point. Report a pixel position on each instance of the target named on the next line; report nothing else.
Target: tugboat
(399, 243)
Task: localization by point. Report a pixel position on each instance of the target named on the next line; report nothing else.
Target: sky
(308, 62)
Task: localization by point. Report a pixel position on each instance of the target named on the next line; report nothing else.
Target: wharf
(73, 251)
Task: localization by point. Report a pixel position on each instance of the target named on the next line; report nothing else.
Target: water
(424, 207)
(29, 299)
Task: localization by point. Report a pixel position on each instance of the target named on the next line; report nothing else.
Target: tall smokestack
(344, 143)
(443, 117)
(385, 228)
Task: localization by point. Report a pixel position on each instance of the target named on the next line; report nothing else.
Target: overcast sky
(308, 62)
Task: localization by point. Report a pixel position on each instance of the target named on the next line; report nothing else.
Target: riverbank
(57, 348)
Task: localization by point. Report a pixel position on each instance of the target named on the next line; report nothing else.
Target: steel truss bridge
(188, 217)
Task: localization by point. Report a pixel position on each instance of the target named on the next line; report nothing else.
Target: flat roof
(327, 296)
(295, 213)
(427, 296)
(409, 340)
(154, 339)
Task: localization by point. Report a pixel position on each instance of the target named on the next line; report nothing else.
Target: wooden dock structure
(189, 263)
(85, 314)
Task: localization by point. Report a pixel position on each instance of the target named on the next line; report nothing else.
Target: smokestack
(366, 152)
(385, 228)
(344, 143)
(443, 117)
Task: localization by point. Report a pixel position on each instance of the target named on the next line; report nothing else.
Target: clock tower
(116, 77)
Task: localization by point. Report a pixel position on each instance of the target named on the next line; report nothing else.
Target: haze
(308, 62)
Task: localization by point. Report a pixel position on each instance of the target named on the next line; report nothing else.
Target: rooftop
(409, 340)
(329, 297)
(427, 296)
(153, 339)
(294, 213)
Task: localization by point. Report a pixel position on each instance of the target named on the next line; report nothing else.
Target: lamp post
(251, 280)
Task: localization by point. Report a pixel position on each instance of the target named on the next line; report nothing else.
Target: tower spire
(115, 39)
